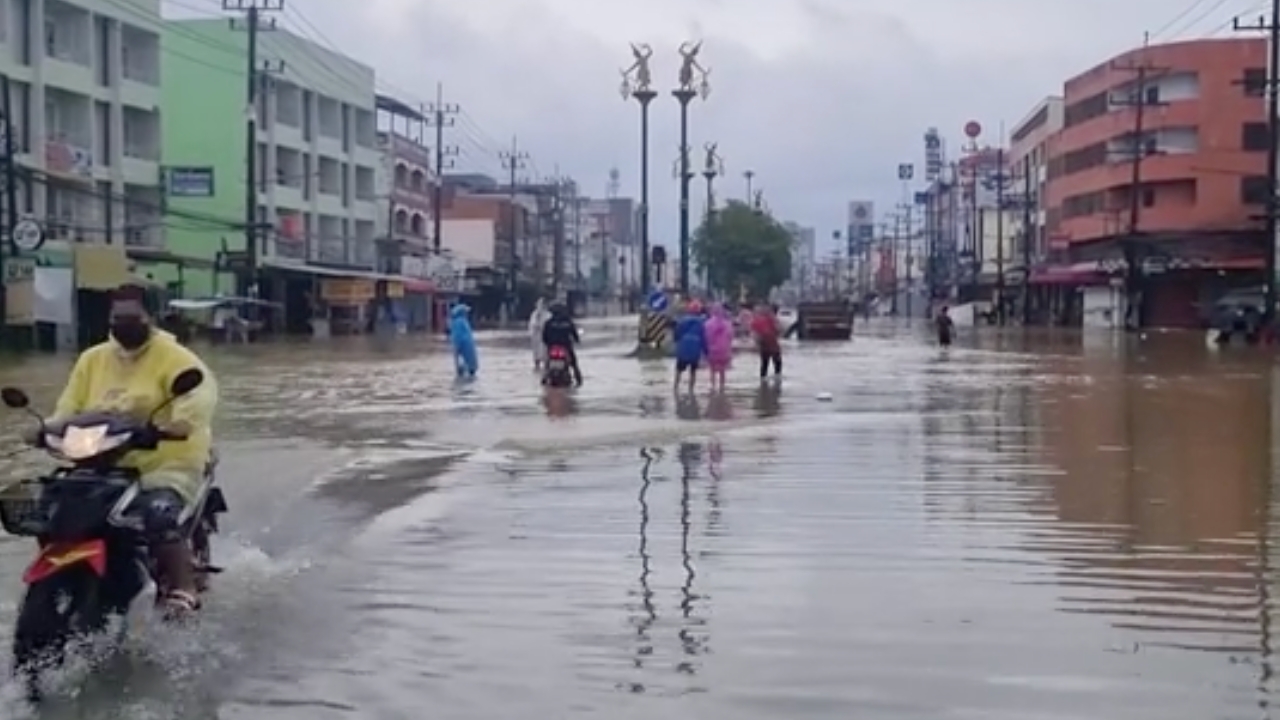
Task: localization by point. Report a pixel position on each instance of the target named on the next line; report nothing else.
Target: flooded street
(1015, 528)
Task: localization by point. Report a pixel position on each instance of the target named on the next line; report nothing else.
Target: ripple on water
(947, 538)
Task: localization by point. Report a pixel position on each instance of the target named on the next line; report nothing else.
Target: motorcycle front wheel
(55, 611)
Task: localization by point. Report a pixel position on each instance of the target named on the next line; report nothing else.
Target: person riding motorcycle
(131, 373)
(561, 331)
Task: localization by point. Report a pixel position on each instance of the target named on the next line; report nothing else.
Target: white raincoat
(536, 320)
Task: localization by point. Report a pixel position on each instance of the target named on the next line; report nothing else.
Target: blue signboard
(657, 301)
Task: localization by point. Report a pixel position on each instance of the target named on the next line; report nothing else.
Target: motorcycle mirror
(185, 382)
(14, 398)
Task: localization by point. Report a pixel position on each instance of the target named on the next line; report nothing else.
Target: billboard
(861, 226)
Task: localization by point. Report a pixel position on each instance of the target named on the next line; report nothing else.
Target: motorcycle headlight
(82, 443)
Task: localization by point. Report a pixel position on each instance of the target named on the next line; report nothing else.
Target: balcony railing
(142, 237)
(333, 252)
(290, 249)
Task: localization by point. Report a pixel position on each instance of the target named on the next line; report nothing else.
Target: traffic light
(659, 255)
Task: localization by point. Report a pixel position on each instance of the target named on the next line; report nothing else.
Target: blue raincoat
(465, 357)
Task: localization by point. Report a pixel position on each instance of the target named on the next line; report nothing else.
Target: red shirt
(765, 328)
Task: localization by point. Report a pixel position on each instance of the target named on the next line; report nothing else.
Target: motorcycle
(93, 561)
(559, 372)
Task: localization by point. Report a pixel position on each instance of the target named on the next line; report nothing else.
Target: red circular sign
(972, 129)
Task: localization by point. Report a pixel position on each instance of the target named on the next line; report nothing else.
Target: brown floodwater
(1042, 525)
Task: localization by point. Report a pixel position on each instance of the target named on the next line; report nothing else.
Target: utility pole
(1134, 275)
(560, 188)
(252, 24)
(7, 247)
(1000, 203)
(440, 116)
(909, 253)
(750, 175)
(893, 262)
(1272, 29)
(513, 160)
(1026, 240)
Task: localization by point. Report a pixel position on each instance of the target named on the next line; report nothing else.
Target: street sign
(28, 236)
(657, 301)
(189, 181)
(906, 171)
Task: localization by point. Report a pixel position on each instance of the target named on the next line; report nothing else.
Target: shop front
(347, 304)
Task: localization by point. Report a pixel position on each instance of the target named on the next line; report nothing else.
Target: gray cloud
(821, 98)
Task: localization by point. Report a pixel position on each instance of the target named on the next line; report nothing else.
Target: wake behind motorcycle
(93, 560)
(558, 373)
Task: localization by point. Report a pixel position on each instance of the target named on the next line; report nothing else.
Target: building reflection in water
(1143, 472)
(1165, 486)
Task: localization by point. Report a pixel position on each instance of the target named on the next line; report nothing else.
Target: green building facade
(203, 87)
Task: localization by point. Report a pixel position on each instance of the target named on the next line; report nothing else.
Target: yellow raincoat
(106, 377)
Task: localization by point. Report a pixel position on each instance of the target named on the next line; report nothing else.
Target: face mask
(131, 335)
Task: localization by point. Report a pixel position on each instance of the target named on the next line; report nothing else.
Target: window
(1087, 109)
(1255, 82)
(1150, 145)
(1253, 190)
(1148, 197)
(1254, 136)
(1152, 95)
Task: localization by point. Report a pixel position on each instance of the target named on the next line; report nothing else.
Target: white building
(318, 150)
(85, 94)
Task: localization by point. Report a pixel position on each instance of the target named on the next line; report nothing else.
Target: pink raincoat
(719, 339)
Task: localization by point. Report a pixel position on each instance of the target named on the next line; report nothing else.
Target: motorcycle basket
(20, 510)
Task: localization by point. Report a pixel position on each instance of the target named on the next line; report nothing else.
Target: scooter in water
(559, 371)
(93, 560)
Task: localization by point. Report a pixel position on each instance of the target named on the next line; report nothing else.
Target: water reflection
(688, 408)
(715, 455)
(649, 613)
(690, 457)
(768, 399)
(1164, 498)
(559, 403)
(719, 406)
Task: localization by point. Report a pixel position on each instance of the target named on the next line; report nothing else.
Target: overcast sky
(821, 98)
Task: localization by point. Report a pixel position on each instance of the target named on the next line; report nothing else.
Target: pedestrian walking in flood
(767, 331)
(945, 326)
(719, 346)
(691, 343)
(537, 319)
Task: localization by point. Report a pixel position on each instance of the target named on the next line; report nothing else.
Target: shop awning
(411, 284)
(1077, 274)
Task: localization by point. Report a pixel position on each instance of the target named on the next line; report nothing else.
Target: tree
(743, 248)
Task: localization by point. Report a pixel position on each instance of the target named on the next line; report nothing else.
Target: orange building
(1201, 183)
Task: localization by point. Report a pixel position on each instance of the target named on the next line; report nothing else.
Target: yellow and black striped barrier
(653, 329)
(653, 335)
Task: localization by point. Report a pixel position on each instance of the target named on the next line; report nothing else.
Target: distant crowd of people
(705, 335)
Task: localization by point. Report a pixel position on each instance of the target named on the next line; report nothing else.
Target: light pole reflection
(649, 615)
(690, 457)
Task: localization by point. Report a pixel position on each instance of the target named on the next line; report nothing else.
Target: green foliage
(743, 248)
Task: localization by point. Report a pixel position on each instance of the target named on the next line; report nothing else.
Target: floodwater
(1021, 527)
